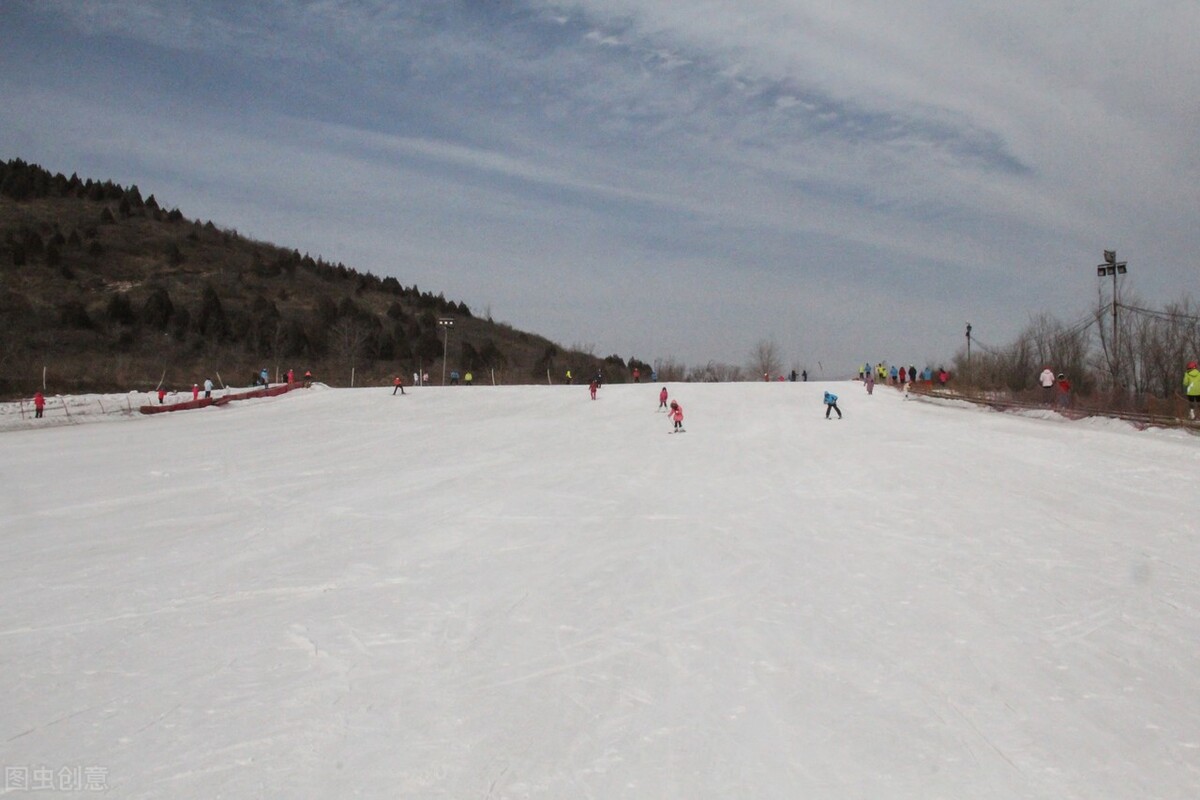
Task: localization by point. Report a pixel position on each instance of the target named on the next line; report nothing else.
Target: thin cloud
(789, 157)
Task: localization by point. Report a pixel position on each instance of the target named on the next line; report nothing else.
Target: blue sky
(854, 181)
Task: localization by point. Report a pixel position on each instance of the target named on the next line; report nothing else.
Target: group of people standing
(899, 376)
(1056, 389)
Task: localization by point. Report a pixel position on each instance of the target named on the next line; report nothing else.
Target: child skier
(676, 414)
(1191, 385)
(662, 399)
(831, 405)
(592, 387)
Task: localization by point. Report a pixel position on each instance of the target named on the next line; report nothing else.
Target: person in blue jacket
(831, 405)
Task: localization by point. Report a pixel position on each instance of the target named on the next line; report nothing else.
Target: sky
(851, 181)
(765, 606)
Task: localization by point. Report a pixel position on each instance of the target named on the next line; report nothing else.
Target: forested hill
(108, 290)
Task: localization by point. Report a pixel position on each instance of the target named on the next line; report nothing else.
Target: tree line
(1144, 355)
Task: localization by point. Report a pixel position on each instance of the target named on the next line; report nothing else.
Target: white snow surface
(515, 592)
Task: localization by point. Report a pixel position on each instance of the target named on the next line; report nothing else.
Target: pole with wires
(1114, 268)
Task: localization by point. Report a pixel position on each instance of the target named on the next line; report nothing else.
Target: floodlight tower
(447, 323)
(1114, 268)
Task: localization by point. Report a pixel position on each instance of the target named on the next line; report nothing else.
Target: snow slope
(517, 592)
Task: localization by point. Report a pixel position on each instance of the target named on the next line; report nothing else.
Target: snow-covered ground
(517, 592)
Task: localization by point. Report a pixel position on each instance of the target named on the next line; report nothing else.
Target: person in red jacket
(195, 392)
(592, 387)
(1064, 391)
(397, 385)
(662, 398)
(39, 405)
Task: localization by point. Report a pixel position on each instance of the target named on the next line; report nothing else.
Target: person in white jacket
(1046, 379)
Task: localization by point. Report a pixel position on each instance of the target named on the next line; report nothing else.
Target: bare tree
(1163, 342)
(765, 358)
(349, 338)
(669, 369)
(715, 372)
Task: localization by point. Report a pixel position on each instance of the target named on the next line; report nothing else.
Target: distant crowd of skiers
(1056, 388)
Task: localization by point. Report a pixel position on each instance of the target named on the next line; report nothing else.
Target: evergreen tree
(157, 310)
(120, 311)
(212, 321)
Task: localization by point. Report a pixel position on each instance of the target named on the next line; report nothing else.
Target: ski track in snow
(512, 592)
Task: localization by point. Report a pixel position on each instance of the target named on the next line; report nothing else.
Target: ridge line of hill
(104, 289)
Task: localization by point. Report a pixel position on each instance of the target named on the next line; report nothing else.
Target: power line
(1169, 316)
(1074, 329)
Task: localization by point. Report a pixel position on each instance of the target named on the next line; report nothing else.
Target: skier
(637, 375)
(195, 392)
(1046, 379)
(397, 385)
(291, 376)
(208, 387)
(307, 378)
(1064, 391)
(1191, 384)
(831, 405)
(265, 378)
(676, 414)
(39, 405)
(662, 399)
(592, 387)
(870, 382)
(162, 393)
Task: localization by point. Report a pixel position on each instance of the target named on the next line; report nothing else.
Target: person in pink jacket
(676, 415)
(662, 398)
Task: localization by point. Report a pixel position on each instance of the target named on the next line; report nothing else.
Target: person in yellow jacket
(1191, 385)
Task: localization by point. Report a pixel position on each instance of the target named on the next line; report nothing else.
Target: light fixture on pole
(968, 344)
(447, 323)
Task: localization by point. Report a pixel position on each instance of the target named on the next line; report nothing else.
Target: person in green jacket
(1191, 385)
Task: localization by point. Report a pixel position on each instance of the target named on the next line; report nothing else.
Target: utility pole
(1114, 268)
(968, 345)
